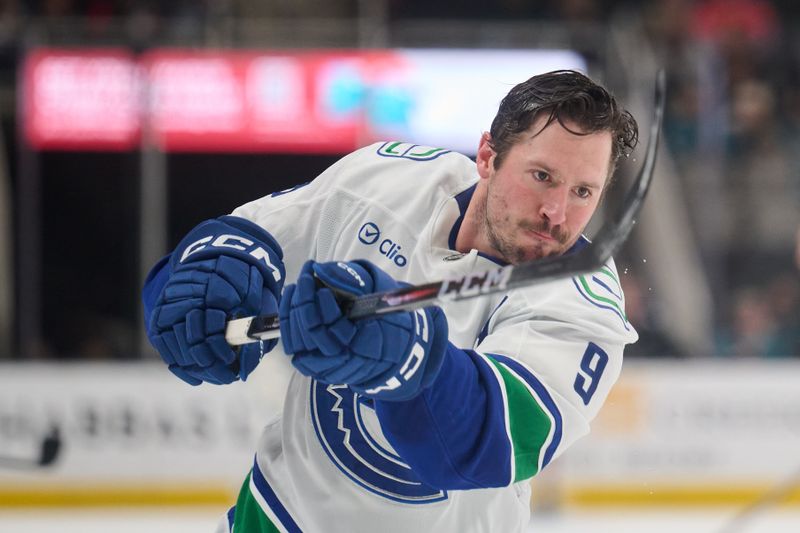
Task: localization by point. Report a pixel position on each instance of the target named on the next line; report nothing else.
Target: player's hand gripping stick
(392, 356)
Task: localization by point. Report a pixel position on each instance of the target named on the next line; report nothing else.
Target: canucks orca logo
(337, 414)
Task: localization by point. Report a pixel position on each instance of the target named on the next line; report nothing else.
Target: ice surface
(620, 520)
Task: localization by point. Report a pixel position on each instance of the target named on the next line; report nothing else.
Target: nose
(554, 205)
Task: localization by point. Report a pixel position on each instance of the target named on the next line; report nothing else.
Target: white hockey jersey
(533, 369)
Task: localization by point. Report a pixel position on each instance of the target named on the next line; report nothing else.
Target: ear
(485, 157)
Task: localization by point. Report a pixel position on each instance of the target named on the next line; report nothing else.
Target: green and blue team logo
(415, 152)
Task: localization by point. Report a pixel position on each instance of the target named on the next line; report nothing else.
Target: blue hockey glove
(224, 268)
(393, 357)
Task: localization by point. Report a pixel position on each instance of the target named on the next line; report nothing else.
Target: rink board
(676, 433)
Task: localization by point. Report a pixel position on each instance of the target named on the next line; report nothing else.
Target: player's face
(542, 195)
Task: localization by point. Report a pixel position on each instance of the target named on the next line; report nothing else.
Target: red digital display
(288, 102)
(303, 101)
(81, 100)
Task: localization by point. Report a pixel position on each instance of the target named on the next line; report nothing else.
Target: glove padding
(391, 357)
(223, 269)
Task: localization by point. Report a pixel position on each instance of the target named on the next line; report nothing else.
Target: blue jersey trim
(272, 500)
(606, 287)
(462, 199)
(485, 330)
(231, 518)
(601, 306)
(579, 245)
(543, 395)
(290, 189)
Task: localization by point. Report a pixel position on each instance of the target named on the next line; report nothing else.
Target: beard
(500, 231)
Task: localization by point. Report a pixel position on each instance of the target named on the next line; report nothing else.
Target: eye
(583, 192)
(541, 175)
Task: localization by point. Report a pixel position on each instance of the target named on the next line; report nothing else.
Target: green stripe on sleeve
(530, 424)
(248, 516)
(607, 271)
(601, 299)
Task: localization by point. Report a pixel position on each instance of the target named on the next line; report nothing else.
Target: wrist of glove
(392, 357)
(223, 269)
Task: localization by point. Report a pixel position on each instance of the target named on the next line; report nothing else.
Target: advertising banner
(288, 101)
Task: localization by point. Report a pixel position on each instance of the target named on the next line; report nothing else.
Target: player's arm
(502, 412)
(487, 421)
(224, 268)
(472, 419)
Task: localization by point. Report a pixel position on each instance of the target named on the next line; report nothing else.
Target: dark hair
(566, 95)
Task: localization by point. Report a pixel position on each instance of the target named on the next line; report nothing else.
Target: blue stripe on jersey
(579, 245)
(231, 517)
(606, 287)
(600, 305)
(454, 434)
(462, 199)
(272, 500)
(485, 329)
(545, 398)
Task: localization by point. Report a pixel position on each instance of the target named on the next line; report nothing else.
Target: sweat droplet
(644, 260)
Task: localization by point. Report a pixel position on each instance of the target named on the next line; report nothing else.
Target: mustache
(544, 227)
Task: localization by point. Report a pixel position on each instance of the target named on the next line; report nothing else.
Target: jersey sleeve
(296, 216)
(539, 372)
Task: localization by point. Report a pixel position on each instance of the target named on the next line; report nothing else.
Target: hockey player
(427, 420)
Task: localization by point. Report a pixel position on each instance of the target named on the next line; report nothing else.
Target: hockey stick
(49, 449)
(769, 499)
(607, 241)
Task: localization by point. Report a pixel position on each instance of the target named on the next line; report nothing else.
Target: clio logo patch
(370, 234)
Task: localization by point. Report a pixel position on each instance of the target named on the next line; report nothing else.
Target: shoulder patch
(602, 289)
(415, 152)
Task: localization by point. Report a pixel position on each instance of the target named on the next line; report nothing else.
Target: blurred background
(124, 123)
